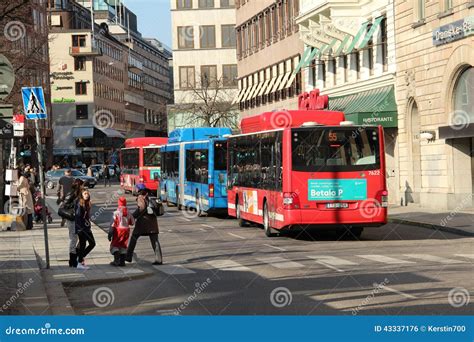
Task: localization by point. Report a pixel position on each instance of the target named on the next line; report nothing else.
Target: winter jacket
(119, 231)
(82, 219)
(146, 223)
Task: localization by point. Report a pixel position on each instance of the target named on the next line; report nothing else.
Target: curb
(446, 229)
(90, 282)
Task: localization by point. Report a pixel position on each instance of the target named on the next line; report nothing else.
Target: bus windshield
(151, 157)
(324, 149)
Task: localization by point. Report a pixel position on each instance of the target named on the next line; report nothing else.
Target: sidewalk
(456, 222)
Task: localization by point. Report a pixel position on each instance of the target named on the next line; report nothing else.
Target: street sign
(6, 129)
(18, 125)
(34, 103)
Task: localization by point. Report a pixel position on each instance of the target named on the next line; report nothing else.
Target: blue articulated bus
(194, 169)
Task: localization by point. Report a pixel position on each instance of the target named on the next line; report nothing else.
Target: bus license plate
(337, 205)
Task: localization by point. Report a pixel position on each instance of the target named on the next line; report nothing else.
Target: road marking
(208, 226)
(406, 295)
(237, 236)
(173, 269)
(280, 262)
(330, 260)
(279, 248)
(428, 257)
(469, 256)
(132, 271)
(227, 265)
(69, 276)
(384, 259)
(329, 266)
(185, 219)
(202, 229)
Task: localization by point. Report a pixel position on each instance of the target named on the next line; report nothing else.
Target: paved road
(214, 267)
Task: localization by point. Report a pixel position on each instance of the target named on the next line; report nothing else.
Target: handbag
(67, 213)
(155, 207)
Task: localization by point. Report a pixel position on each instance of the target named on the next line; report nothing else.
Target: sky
(154, 18)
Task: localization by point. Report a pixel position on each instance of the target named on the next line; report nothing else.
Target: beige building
(350, 56)
(435, 96)
(204, 62)
(268, 51)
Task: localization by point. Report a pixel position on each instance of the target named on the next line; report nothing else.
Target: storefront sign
(63, 100)
(62, 75)
(63, 88)
(454, 31)
(385, 119)
(18, 125)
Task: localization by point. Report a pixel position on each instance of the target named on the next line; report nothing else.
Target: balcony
(77, 51)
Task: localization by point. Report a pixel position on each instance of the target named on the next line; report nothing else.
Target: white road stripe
(384, 259)
(227, 265)
(329, 266)
(279, 248)
(208, 226)
(185, 219)
(280, 262)
(202, 229)
(330, 260)
(173, 269)
(406, 295)
(235, 235)
(469, 256)
(428, 257)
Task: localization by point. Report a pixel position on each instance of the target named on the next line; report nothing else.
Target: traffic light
(26, 150)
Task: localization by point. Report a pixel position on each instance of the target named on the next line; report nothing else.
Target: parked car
(52, 178)
(97, 170)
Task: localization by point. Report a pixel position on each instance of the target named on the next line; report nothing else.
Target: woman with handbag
(146, 224)
(84, 228)
(26, 199)
(67, 212)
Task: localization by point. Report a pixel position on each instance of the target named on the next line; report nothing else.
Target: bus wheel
(242, 222)
(266, 222)
(356, 232)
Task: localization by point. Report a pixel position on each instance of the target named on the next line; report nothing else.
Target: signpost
(35, 109)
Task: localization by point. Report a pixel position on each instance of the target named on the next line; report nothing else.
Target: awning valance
(371, 107)
(112, 133)
(83, 132)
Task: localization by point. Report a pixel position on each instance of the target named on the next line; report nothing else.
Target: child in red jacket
(119, 232)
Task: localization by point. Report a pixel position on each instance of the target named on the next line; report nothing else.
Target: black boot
(72, 260)
(122, 260)
(116, 261)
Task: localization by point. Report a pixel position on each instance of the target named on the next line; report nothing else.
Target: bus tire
(266, 222)
(356, 232)
(242, 222)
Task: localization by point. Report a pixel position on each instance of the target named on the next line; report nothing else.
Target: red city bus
(140, 162)
(307, 167)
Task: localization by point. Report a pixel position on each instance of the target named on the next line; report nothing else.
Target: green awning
(342, 45)
(371, 32)
(306, 58)
(359, 34)
(371, 107)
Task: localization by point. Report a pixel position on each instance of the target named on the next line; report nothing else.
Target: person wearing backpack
(120, 232)
(146, 224)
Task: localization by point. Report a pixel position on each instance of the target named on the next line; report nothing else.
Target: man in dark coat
(146, 224)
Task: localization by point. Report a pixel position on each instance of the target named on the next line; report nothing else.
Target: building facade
(268, 52)
(350, 56)
(24, 43)
(435, 96)
(204, 63)
(88, 80)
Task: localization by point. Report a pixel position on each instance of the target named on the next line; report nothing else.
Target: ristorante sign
(454, 31)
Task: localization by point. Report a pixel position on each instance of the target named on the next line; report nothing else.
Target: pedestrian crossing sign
(34, 103)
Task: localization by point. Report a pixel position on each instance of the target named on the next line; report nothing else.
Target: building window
(79, 40)
(384, 44)
(421, 9)
(181, 4)
(239, 43)
(81, 88)
(229, 75)
(185, 37)
(463, 95)
(370, 53)
(80, 63)
(332, 69)
(208, 36)
(227, 3)
(82, 112)
(206, 3)
(343, 64)
(228, 36)
(275, 23)
(208, 76)
(261, 22)
(448, 4)
(355, 63)
(186, 77)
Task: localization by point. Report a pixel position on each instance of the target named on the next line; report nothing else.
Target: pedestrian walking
(64, 187)
(119, 232)
(68, 213)
(146, 224)
(89, 172)
(106, 176)
(82, 221)
(25, 200)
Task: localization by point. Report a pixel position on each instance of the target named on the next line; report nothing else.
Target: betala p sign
(33, 103)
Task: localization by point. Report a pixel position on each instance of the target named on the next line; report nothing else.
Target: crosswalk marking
(280, 262)
(227, 265)
(384, 259)
(428, 257)
(469, 256)
(173, 269)
(330, 260)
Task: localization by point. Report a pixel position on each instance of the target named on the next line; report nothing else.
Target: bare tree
(209, 104)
